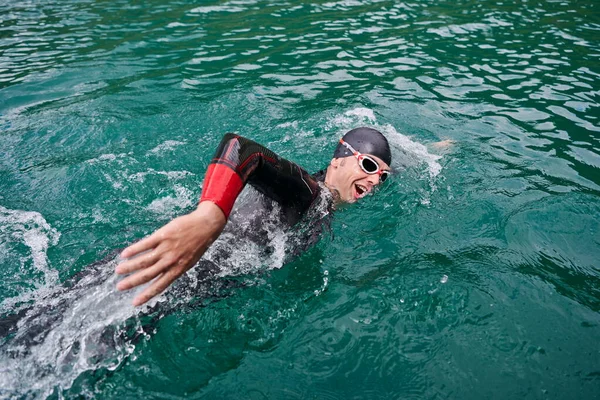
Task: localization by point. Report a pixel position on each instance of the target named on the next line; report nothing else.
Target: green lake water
(474, 273)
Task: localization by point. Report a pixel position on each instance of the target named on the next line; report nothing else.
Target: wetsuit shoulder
(239, 160)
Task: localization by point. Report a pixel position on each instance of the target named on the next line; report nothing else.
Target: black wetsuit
(292, 199)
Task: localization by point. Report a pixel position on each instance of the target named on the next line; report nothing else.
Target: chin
(347, 199)
(351, 200)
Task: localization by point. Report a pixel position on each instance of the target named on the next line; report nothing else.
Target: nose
(374, 179)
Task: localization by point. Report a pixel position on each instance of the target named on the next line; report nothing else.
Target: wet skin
(345, 176)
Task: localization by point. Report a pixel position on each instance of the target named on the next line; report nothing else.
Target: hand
(443, 145)
(170, 251)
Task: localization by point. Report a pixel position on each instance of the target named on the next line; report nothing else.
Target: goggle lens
(384, 176)
(369, 165)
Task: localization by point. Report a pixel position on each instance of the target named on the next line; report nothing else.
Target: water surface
(473, 274)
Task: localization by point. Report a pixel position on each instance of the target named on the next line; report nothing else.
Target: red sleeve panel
(222, 186)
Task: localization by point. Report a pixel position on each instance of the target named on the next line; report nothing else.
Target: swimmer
(361, 161)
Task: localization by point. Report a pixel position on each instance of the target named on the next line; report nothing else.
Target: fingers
(145, 275)
(145, 244)
(142, 261)
(158, 286)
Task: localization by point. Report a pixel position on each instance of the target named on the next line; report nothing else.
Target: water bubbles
(319, 291)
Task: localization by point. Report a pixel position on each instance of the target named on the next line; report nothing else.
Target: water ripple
(479, 265)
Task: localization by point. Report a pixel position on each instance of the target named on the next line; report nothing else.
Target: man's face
(347, 177)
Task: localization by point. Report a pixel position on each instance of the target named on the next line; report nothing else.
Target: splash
(31, 229)
(86, 325)
(249, 219)
(64, 332)
(169, 205)
(69, 330)
(409, 150)
(350, 119)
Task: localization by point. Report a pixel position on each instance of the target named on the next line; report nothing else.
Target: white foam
(31, 229)
(293, 125)
(404, 143)
(170, 205)
(245, 256)
(115, 183)
(278, 238)
(353, 117)
(343, 3)
(98, 216)
(361, 112)
(325, 284)
(166, 146)
(174, 175)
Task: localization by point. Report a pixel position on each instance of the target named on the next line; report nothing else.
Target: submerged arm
(175, 248)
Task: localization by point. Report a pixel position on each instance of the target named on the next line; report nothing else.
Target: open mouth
(361, 191)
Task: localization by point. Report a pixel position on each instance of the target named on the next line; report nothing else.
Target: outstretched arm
(173, 249)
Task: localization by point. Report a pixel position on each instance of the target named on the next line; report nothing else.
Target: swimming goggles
(367, 164)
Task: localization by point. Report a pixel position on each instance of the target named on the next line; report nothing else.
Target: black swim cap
(366, 141)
